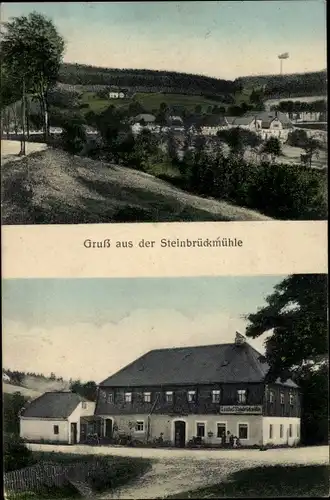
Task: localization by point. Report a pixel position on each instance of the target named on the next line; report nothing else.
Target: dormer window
(282, 398)
(191, 396)
(291, 399)
(271, 396)
(241, 396)
(216, 395)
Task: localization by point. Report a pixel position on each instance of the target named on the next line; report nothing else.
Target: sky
(90, 328)
(224, 39)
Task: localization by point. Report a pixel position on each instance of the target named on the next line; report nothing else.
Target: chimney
(239, 339)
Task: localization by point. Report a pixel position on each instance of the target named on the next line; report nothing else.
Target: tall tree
(32, 50)
(273, 148)
(295, 316)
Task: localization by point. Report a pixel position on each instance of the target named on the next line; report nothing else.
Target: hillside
(144, 80)
(12, 389)
(287, 85)
(52, 187)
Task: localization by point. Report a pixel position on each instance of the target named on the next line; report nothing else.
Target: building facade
(55, 417)
(200, 392)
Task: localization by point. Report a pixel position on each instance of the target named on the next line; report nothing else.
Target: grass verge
(269, 482)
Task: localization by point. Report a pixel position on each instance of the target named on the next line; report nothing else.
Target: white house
(55, 417)
(116, 94)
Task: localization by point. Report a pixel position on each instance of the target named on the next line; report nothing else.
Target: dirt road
(175, 471)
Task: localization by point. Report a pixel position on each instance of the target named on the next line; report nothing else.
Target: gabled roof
(53, 405)
(146, 117)
(221, 363)
(213, 121)
(243, 120)
(230, 119)
(268, 116)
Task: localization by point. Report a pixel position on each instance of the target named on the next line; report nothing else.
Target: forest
(145, 80)
(278, 86)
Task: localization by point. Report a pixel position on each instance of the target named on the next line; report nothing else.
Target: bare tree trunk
(15, 119)
(23, 118)
(27, 107)
(44, 111)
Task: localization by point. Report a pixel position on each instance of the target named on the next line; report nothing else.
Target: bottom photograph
(150, 388)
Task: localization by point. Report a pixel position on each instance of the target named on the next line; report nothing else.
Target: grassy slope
(11, 389)
(53, 187)
(151, 101)
(269, 481)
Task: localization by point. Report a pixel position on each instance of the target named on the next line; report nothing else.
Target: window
(56, 429)
(290, 430)
(200, 430)
(110, 397)
(221, 429)
(271, 396)
(84, 405)
(191, 396)
(169, 397)
(147, 397)
(271, 431)
(241, 396)
(281, 430)
(128, 397)
(291, 399)
(298, 430)
(139, 426)
(282, 398)
(243, 431)
(216, 396)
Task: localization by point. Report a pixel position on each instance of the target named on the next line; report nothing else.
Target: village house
(56, 417)
(273, 124)
(203, 391)
(116, 93)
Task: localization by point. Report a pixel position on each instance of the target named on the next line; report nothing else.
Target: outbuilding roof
(53, 405)
(221, 363)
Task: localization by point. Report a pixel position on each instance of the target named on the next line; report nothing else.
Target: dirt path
(176, 471)
(11, 149)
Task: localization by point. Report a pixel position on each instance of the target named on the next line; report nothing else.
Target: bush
(16, 454)
(74, 137)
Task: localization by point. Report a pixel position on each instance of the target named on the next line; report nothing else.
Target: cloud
(93, 352)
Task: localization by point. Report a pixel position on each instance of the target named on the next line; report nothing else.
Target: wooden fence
(47, 475)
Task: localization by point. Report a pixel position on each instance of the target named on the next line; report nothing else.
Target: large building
(202, 391)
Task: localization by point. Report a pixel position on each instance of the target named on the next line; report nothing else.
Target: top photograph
(184, 111)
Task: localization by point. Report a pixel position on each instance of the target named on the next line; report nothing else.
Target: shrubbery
(15, 454)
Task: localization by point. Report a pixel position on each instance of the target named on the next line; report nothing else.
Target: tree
(311, 148)
(272, 147)
(74, 136)
(295, 317)
(15, 454)
(32, 50)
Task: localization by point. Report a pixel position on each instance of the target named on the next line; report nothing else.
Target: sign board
(242, 410)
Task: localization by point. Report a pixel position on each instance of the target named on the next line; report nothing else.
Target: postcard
(164, 249)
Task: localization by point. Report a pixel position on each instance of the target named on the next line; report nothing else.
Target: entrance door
(73, 433)
(108, 428)
(180, 433)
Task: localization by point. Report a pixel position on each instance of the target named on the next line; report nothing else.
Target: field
(11, 389)
(151, 101)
